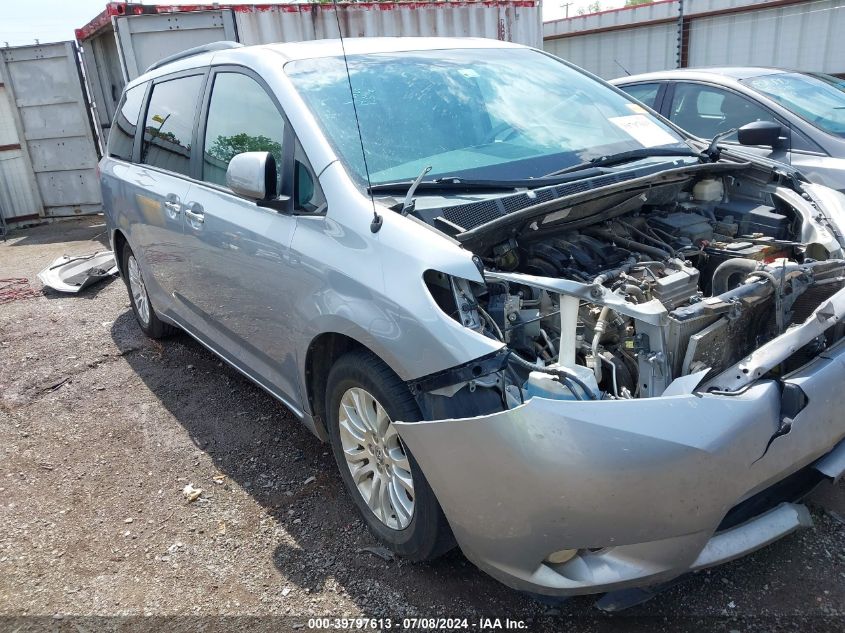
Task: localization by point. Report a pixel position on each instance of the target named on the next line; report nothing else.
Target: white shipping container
(800, 34)
(48, 156)
(616, 53)
(18, 192)
(125, 39)
(511, 21)
(806, 36)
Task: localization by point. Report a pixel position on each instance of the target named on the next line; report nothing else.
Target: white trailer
(799, 34)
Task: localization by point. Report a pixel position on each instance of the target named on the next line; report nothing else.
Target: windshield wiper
(455, 183)
(713, 152)
(410, 204)
(624, 157)
(452, 184)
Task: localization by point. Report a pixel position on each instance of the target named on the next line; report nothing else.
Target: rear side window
(122, 133)
(241, 118)
(169, 125)
(646, 93)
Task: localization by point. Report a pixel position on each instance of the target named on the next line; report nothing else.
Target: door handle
(172, 206)
(194, 213)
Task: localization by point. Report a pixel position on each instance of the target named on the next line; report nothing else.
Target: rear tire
(363, 397)
(140, 299)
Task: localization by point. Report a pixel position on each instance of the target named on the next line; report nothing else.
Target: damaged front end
(669, 351)
(616, 296)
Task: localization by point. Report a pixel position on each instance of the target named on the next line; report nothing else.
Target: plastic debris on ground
(381, 552)
(191, 493)
(73, 273)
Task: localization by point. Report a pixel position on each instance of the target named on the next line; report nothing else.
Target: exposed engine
(685, 285)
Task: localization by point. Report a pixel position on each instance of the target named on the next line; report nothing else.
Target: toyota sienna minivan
(531, 318)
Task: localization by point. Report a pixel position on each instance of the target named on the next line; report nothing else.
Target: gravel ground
(101, 429)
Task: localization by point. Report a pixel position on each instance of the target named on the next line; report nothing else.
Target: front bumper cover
(642, 483)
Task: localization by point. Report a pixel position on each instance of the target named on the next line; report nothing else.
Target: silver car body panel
(821, 169)
(833, 464)
(822, 226)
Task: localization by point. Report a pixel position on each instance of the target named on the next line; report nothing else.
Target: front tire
(363, 398)
(140, 299)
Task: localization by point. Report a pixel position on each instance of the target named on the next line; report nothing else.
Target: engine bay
(619, 300)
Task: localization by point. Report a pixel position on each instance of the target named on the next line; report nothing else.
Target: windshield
(817, 98)
(471, 113)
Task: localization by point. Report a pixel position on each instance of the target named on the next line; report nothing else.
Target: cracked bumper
(643, 483)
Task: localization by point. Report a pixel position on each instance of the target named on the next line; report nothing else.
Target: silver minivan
(531, 318)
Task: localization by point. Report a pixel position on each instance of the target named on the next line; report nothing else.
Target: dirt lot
(101, 429)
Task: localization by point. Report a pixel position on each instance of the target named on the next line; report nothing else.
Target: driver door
(705, 110)
(240, 265)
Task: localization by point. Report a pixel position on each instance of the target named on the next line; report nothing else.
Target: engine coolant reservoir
(708, 190)
(543, 385)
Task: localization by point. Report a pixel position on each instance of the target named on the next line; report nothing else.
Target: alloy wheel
(376, 458)
(139, 290)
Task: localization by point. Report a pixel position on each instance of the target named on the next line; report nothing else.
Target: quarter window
(646, 93)
(307, 194)
(122, 133)
(241, 118)
(705, 111)
(169, 125)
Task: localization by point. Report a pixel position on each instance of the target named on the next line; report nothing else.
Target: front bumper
(639, 487)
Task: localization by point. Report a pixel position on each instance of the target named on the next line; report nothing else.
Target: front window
(818, 99)
(241, 118)
(491, 113)
(706, 111)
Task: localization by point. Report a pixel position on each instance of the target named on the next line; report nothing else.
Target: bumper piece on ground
(72, 274)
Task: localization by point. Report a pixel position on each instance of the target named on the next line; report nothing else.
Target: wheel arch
(323, 351)
(119, 242)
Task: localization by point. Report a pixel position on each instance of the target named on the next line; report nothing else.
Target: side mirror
(253, 175)
(760, 133)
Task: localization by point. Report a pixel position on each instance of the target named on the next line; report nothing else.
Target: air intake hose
(727, 269)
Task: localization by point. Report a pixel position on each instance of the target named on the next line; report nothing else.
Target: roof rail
(196, 50)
